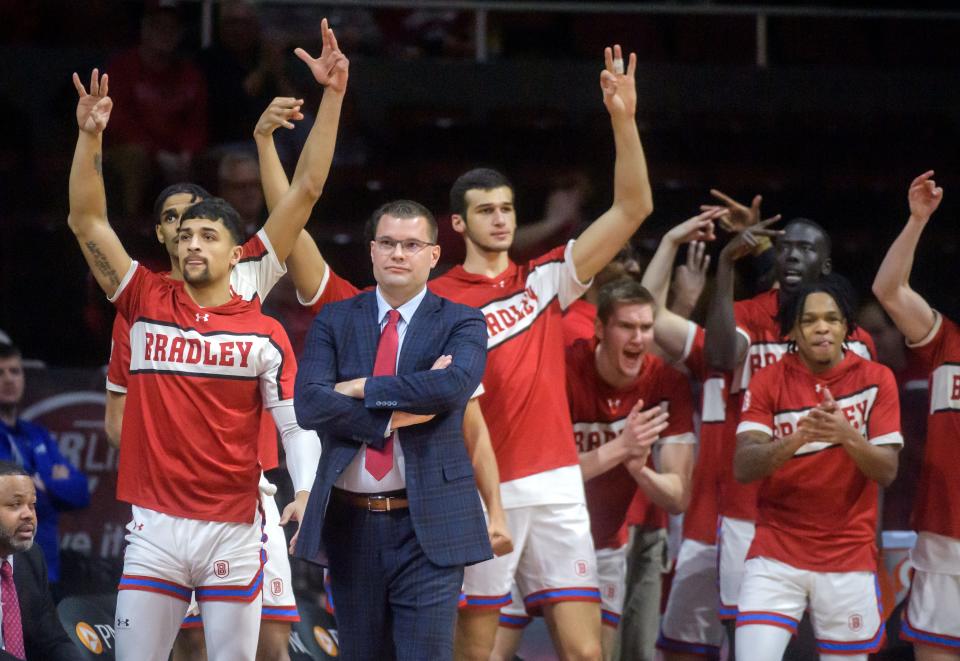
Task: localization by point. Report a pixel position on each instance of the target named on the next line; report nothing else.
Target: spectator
(244, 70)
(238, 177)
(60, 486)
(160, 107)
(31, 629)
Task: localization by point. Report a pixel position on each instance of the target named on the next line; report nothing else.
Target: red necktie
(379, 462)
(12, 628)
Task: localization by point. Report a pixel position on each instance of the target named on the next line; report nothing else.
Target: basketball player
(930, 621)
(820, 431)
(204, 364)
(525, 404)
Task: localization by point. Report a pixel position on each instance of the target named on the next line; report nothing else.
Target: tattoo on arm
(102, 265)
(98, 164)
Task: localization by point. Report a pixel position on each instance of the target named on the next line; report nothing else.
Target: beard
(9, 540)
(197, 278)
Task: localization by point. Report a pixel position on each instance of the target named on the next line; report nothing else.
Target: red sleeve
(745, 314)
(119, 369)
(930, 350)
(138, 284)
(758, 401)
(884, 423)
(694, 359)
(335, 289)
(676, 389)
(287, 374)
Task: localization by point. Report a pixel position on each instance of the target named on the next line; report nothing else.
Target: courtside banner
(70, 404)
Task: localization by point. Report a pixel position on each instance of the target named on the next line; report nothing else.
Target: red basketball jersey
(818, 511)
(524, 403)
(599, 414)
(937, 506)
(199, 381)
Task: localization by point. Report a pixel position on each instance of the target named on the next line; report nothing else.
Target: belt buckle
(384, 507)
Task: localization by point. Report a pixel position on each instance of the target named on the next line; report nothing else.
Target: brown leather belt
(372, 502)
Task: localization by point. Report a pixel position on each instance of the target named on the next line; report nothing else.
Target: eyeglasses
(385, 245)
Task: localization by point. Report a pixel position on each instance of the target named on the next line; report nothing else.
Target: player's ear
(435, 255)
(458, 223)
(235, 255)
(827, 267)
(598, 329)
(156, 228)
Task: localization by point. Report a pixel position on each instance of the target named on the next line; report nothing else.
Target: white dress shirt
(355, 476)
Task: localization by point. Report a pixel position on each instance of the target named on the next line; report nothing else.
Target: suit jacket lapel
(416, 341)
(367, 330)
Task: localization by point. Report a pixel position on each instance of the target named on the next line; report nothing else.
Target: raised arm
(689, 280)
(292, 211)
(103, 251)
(632, 198)
(670, 329)
(476, 436)
(725, 347)
(305, 262)
(908, 309)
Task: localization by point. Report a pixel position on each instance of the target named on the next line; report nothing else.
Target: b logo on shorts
(221, 568)
(855, 622)
(580, 567)
(276, 587)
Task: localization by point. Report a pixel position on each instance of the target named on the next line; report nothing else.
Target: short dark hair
(476, 179)
(401, 209)
(9, 350)
(834, 285)
(827, 242)
(622, 291)
(217, 208)
(196, 193)
(10, 468)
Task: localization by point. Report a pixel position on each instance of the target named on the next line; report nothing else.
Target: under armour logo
(123, 623)
(139, 526)
(206, 317)
(613, 403)
(818, 388)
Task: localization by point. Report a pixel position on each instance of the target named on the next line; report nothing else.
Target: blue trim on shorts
(866, 645)
(563, 593)
(744, 619)
(163, 586)
(932, 638)
(515, 621)
(609, 617)
(290, 611)
(502, 600)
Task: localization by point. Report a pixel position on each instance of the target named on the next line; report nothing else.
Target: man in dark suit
(394, 511)
(30, 628)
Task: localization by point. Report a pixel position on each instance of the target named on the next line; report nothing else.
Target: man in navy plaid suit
(394, 511)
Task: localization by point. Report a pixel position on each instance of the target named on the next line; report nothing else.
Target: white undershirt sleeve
(301, 446)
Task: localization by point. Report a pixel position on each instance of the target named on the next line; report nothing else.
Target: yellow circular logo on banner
(89, 638)
(326, 641)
